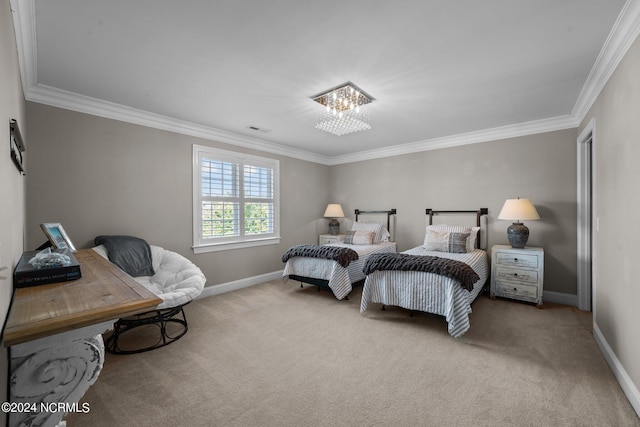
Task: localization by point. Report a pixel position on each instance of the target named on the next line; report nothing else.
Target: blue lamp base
(334, 227)
(518, 234)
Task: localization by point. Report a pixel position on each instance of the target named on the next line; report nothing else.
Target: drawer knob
(515, 274)
(515, 259)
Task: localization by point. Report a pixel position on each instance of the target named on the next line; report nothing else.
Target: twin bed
(431, 292)
(329, 273)
(442, 276)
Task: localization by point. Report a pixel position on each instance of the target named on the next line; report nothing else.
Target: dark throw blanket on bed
(453, 269)
(342, 256)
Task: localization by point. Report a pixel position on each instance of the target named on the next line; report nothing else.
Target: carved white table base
(54, 373)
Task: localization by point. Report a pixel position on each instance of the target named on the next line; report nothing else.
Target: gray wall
(617, 205)
(12, 184)
(539, 167)
(100, 176)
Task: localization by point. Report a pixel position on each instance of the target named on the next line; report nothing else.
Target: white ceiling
(442, 72)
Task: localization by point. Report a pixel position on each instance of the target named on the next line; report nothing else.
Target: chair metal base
(160, 318)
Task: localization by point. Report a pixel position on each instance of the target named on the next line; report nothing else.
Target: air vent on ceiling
(257, 129)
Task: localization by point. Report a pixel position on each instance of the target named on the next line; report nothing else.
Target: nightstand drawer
(516, 291)
(517, 275)
(517, 260)
(325, 239)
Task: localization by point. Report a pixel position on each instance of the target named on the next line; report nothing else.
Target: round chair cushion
(176, 280)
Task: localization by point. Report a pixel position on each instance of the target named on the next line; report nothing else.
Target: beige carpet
(278, 355)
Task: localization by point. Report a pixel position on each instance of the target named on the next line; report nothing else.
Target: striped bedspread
(340, 279)
(429, 292)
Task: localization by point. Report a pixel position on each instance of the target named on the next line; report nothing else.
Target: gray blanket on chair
(131, 254)
(453, 269)
(342, 256)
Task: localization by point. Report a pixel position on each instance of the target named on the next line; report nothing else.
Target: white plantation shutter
(220, 198)
(235, 200)
(258, 199)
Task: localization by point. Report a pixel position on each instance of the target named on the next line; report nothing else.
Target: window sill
(215, 247)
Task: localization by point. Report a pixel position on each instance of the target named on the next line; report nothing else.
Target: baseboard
(555, 297)
(560, 298)
(239, 284)
(629, 388)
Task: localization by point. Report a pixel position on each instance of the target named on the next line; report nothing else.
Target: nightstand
(330, 238)
(517, 273)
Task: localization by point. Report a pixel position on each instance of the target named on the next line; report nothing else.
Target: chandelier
(343, 113)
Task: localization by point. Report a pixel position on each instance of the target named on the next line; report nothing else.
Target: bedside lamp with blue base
(334, 211)
(518, 210)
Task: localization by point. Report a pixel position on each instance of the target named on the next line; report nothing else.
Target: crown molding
(24, 24)
(620, 38)
(494, 134)
(84, 104)
(622, 35)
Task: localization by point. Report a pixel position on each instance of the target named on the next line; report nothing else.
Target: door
(585, 217)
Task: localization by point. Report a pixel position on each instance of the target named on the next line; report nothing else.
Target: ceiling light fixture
(343, 113)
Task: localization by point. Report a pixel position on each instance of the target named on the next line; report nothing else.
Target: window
(235, 200)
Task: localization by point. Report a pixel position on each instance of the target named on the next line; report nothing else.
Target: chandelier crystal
(342, 112)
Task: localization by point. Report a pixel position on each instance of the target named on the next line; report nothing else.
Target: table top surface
(511, 248)
(103, 293)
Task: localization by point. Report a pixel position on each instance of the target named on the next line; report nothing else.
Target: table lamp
(518, 210)
(333, 211)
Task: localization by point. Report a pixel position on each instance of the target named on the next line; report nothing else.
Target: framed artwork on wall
(57, 236)
(16, 145)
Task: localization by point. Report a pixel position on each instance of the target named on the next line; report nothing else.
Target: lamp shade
(334, 210)
(518, 210)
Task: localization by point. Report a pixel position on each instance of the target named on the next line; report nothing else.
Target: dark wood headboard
(478, 213)
(389, 213)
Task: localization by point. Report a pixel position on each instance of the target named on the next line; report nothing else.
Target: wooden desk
(56, 328)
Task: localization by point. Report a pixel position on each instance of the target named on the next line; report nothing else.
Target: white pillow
(377, 229)
(385, 235)
(473, 232)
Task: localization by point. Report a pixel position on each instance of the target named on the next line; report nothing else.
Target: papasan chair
(169, 275)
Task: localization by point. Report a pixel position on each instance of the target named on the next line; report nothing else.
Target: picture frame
(16, 145)
(57, 236)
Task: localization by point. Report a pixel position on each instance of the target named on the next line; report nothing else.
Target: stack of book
(58, 266)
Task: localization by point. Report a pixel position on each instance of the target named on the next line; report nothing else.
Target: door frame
(586, 218)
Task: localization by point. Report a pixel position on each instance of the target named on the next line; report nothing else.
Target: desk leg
(50, 375)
